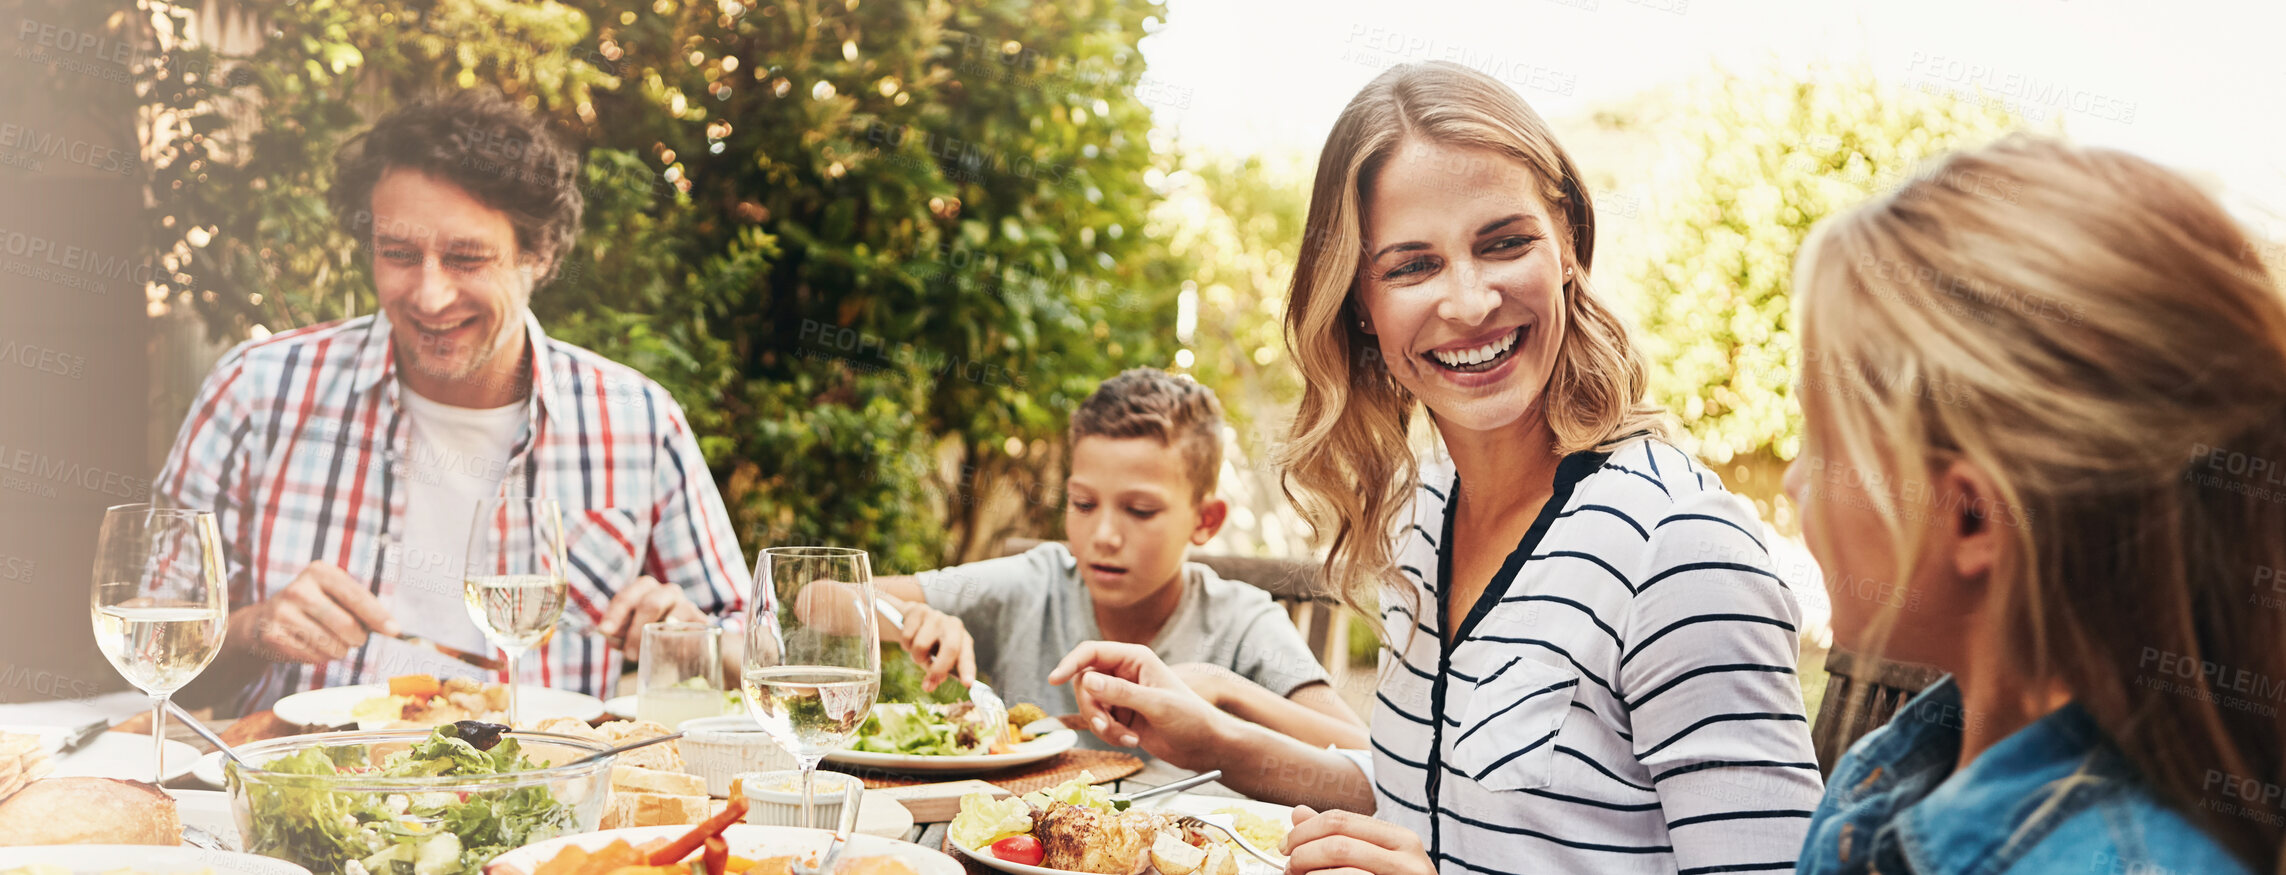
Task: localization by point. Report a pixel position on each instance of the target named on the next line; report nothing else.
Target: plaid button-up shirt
(300, 445)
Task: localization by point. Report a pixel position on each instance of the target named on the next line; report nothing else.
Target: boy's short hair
(1151, 403)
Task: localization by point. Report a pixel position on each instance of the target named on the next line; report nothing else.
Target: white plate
(1247, 865)
(332, 706)
(1204, 803)
(92, 859)
(126, 756)
(622, 707)
(1180, 803)
(208, 810)
(208, 770)
(1047, 744)
(746, 840)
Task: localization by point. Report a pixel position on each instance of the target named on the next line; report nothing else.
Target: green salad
(368, 833)
(921, 730)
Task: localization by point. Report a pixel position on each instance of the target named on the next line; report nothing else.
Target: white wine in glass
(159, 603)
(515, 585)
(813, 653)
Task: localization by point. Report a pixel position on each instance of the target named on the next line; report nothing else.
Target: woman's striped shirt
(1622, 698)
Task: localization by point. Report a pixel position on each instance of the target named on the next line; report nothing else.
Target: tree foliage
(1752, 163)
(877, 250)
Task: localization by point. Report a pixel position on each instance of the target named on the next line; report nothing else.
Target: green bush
(871, 248)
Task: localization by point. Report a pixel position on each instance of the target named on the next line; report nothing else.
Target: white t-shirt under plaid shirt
(1621, 699)
(301, 446)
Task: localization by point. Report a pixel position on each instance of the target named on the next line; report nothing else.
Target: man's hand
(317, 618)
(937, 641)
(1348, 843)
(1132, 699)
(644, 601)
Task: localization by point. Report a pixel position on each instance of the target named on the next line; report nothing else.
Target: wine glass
(159, 603)
(515, 585)
(813, 654)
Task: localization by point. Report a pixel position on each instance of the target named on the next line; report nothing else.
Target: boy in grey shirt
(1146, 453)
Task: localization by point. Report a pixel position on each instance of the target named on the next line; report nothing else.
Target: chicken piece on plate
(1083, 839)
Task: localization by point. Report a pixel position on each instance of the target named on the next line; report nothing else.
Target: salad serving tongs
(993, 711)
(623, 748)
(199, 727)
(1166, 788)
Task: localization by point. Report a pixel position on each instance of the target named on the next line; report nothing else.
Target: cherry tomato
(1019, 849)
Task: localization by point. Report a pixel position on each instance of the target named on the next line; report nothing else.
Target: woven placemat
(1103, 765)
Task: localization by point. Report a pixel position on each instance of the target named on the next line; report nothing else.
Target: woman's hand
(1132, 699)
(1347, 843)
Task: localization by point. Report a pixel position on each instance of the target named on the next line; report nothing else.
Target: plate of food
(1077, 827)
(747, 849)
(141, 860)
(422, 702)
(622, 707)
(206, 815)
(939, 739)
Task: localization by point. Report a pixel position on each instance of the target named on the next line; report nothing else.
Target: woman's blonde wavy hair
(1347, 464)
(2095, 334)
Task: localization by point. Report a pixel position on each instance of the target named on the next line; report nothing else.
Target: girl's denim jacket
(2056, 796)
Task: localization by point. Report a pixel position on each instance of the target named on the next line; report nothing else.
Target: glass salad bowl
(413, 800)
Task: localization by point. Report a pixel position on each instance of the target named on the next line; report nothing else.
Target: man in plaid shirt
(344, 461)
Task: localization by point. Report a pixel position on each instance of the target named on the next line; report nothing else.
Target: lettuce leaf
(983, 820)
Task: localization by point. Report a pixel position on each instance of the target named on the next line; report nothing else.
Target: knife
(79, 737)
(480, 661)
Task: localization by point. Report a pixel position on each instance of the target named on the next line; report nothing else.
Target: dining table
(129, 713)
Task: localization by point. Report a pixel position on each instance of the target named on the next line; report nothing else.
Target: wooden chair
(1292, 583)
(1843, 718)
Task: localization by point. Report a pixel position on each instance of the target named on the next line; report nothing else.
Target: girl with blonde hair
(2045, 389)
(1592, 663)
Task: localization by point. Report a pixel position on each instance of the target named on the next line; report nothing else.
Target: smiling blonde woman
(1592, 664)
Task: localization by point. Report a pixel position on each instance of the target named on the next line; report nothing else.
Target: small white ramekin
(775, 798)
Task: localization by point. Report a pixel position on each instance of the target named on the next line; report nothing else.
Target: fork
(825, 861)
(1222, 823)
(992, 711)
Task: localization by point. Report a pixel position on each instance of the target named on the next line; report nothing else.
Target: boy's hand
(1205, 679)
(938, 642)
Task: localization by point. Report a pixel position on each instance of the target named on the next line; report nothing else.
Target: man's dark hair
(500, 153)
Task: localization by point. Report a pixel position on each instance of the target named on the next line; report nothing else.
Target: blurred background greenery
(879, 250)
